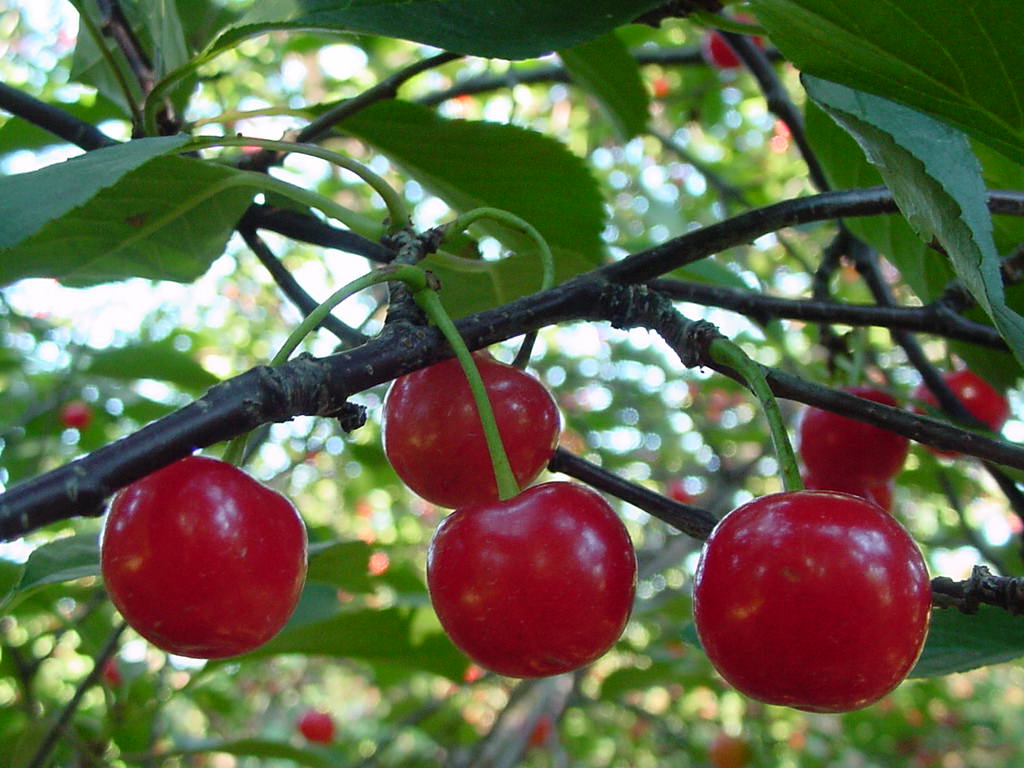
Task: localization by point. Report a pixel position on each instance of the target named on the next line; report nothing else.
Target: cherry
(879, 493)
(541, 732)
(434, 440)
(980, 398)
(812, 599)
(729, 751)
(111, 673)
(202, 560)
(76, 414)
(718, 52)
(316, 726)
(837, 449)
(535, 585)
(677, 491)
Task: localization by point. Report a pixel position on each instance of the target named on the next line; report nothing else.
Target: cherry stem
(728, 353)
(547, 259)
(504, 477)
(398, 214)
(414, 277)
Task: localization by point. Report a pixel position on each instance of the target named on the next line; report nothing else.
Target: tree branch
(53, 119)
(931, 318)
(295, 292)
(321, 387)
(983, 587)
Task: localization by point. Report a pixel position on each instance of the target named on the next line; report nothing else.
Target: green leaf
(342, 564)
(846, 168)
(958, 642)
(409, 638)
(254, 748)
(607, 71)
(936, 180)
(128, 214)
(471, 164)
(509, 29)
(958, 60)
(10, 575)
(27, 200)
(150, 360)
(72, 557)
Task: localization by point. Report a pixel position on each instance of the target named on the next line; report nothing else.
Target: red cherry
(541, 731)
(841, 450)
(980, 398)
(718, 52)
(316, 726)
(433, 437)
(76, 414)
(202, 560)
(677, 491)
(111, 673)
(879, 493)
(729, 751)
(535, 585)
(812, 599)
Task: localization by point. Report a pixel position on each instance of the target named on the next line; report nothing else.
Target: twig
(53, 119)
(778, 100)
(983, 587)
(931, 318)
(295, 292)
(691, 520)
(49, 741)
(324, 124)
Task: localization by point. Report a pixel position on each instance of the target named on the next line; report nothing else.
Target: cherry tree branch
(983, 587)
(55, 120)
(321, 386)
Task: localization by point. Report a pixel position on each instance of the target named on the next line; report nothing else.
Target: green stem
(547, 259)
(728, 353)
(414, 277)
(466, 220)
(504, 477)
(397, 212)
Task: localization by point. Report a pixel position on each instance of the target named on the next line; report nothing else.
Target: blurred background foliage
(373, 655)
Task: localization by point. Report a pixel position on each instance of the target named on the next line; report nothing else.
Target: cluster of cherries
(816, 599)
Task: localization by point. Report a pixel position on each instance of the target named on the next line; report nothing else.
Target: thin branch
(324, 124)
(295, 292)
(688, 519)
(53, 119)
(309, 229)
(778, 101)
(982, 588)
(556, 73)
(931, 318)
(46, 746)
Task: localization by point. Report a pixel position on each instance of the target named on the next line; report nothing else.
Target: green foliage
(950, 59)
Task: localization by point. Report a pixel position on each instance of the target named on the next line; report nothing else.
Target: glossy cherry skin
(434, 440)
(536, 585)
(980, 398)
(76, 414)
(316, 726)
(812, 599)
(202, 560)
(838, 449)
(879, 493)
